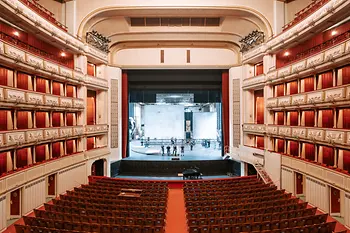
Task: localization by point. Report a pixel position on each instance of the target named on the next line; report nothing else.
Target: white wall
(287, 182)
(317, 193)
(139, 57)
(33, 195)
(204, 125)
(71, 177)
(3, 212)
(294, 7)
(164, 121)
(273, 167)
(347, 209)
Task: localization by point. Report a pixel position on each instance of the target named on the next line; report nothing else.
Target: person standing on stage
(182, 150)
(162, 150)
(168, 150)
(174, 150)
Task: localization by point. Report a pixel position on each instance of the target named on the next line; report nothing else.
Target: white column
(279, 16)
(71, 20)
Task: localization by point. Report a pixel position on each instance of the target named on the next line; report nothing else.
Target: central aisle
(176, 212)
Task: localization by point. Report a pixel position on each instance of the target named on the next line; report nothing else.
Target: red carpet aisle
(176, 212)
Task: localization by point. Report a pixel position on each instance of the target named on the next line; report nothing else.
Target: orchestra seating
(248, 205)
(105, 205)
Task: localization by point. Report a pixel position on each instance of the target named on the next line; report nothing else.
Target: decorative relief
(299, 132)
(17, 54)
(53, 68)
(65, 132)
(34, 135)
(299, 66)
(315, 134)
(348, 138)
(66, 72)
(78, 76)
(34, 61)
(315, 97)
(96, 128)
(283, 72)
(96, 52)
(284, 131)
(347, 46)
(334, 52)
(272, 75)
(299, 99)
(1, 93)
(335, 136)
(51, 133)
(258, 128)
(51, 100)
(78, 103)
(254, 80)
(79, 130)
(2, 140)
(15, 138)
(14, 95)
(34, 98)
(96, 81)
(271, 103)
(335, 94)
(284, 101)
(2, 47)
(66, 102)
(272, 129)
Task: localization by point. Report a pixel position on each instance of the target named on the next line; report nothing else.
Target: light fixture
(63, 54)
(334, 32)
(16, 33)
(286, 54)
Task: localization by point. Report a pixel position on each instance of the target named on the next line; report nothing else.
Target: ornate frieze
(35, 98)
(15, 138)
(257, 128)
(315, 97)
(96, 82)
(34, 135)
(272, 103)
(335, 136)
(66, 102)
(254, 81)
(96, 128)
(299, 67)
(299, 132)
(78, 130)
(34, 61)
(78, 103)
(51, 67)
(272, 75)
(315, 60)
(66, 72)
(2, 142)
(334, 52)
(16, 96)
(334, 94)
(51, 133)
(66, 132)
(315, 134)
(283, 72)
(15, 53)
(299, 99)
(78, 76)
(51, 100)
(285, 131)
(272, 129)
(284, 101)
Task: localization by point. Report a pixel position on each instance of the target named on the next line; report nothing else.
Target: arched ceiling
(235, 24)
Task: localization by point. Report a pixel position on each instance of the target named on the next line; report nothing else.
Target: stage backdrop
(164, 121)
(204, 125)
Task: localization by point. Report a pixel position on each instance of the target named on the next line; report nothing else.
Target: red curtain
(22, 81)
(125, 114)
(310, 151)
(3, 120)
(41, 85)
(280, 146)
(225, 108)
(260, 142)
(294, 148)
(70, 117)
(259, 69)
(346, 160)
(328, 156)
(22, 157)
(309, 84)
(280, 118)
(327, 118)
(3, 162)
(346, 75)
(91, 108)
(40, 154)
(293, 116)
(56, 88)
(70, 147)
(293, 87)
(280, 90)
(56, 119)
(309, 118)
(346, 118)
(56, 149)
(259, 106)
(327, 79)
(3, 76)
(91, 69)
(90, 143)
(40, 119)
(22, 119)
(70, 91)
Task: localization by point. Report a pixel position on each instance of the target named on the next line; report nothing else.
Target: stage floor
(137, 156)
(168, 178)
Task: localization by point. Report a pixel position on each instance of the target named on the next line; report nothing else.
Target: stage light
(16, 33)
(286, 54)
(63, 54)
(334, 32)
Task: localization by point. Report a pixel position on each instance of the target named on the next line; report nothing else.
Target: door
(51, 185)
(335, 200)
(300, 183)
(15, 204)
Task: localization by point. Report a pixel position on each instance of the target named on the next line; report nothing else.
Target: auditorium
(163, 116)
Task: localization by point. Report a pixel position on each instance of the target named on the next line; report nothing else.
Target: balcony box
(283, 72)
(51, 67)
(78, 130)
(334, 94)
(296, 68)
(78, 76)
(51, 100)
(271, 103)
(68, 73)
(35, 98)
(315, 60)
(335, 136)
(51, 133)
(15, 53)
(271, 129)
(285, 131)
(2, 142)
(78, 103)
(334, 52)
(66, 132)
(315, 134)
(34, 61)
(299, 99)
(1, 94)
(284, 101)
(272, 75)
(15, 138)
(16, 96)
(299, 132)
(66, 102)
(34, 135)
(315, 97)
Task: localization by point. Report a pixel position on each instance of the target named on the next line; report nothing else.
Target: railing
(263, 174)
(34, 5)
(315, 5)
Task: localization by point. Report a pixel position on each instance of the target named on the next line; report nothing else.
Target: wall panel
(347, 209)
(317, 193)
(33, 195)
(71, 177)
(287, 180)
(3, 212)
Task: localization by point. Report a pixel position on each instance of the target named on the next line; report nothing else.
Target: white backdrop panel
(204, 125)
(164, 121)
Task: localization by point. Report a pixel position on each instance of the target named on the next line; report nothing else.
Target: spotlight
(63, 54)
(333, 33)
(286, 54)
(16, 33)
